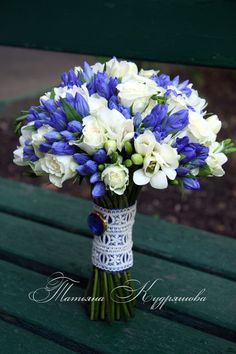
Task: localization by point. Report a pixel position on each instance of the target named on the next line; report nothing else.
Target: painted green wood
(47, 249)
(14, 339)
(146, 333)
(177, 243)
(190, 32)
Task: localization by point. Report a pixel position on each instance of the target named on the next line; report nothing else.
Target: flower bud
(110, 146)
(128, 148)
(137, 159)
(114, 157)
(128, 163)
(101, 167)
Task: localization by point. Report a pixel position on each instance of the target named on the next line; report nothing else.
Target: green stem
(94, 293)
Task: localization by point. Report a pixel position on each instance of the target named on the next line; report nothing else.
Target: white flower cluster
(115, 125)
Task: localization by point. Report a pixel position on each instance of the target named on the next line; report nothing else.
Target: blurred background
(26, 74)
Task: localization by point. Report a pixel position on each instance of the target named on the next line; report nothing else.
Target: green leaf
(20, 121)
(204, 171)
(70, 111)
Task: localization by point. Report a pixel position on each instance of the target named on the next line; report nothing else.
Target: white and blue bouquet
(119, 129)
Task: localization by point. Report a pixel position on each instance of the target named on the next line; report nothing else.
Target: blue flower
(191, 183)
(79, 103)
(29, 154)
(176, 121)
(58, 120)
(52, 136)
(45, 147)
(70, 79)
(155, 118)
(74, 126)
(62, 148)
(114, 104)
(100, 156)
(104, 85)
(98, 190)
(81, 158)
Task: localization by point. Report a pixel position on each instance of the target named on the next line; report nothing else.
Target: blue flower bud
(67, 135)
(44, 147)
(62, 148)
(81, 158)
(81, 170)
(74, 126)
(191, 183)
(100, 156)
(90, 167)
(52, 136)
(95, 178)
(98, 190)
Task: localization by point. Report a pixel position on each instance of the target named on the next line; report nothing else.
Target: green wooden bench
(42, 231)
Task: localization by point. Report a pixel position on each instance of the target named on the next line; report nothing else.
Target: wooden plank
(47, 249)
(146, 333)
(197, 32)
(14, 339)
(212, 253)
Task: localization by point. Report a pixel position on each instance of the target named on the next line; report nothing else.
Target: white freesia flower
(93, 135)
(144, 143)
(176, 103)
(157, 166)
(216, 159)
(18, 158)
(116, 126)
(203, 130)
(26, 135)
(116, 178)
(195, 101)
(98, 67)
(96, 102)
(123, 70)
(148, 73)
(59, 168)
(38, 136)
(137, 93)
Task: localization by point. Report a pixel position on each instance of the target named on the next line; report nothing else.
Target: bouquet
(119, 129)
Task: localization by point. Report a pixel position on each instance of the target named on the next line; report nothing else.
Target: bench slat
(178, 243)
(18, 340)
(48, 249)
(145, 332)
(196, 32)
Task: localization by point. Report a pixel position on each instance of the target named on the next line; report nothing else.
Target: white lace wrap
(112, 251)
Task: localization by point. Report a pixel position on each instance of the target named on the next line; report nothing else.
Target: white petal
(140, 178)
(170, 172)
(159, 180)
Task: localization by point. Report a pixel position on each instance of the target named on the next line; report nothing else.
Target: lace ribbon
(112, 251)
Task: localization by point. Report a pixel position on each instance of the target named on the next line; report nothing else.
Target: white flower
(203, 130)
(116, 126)
(59, 168)
(157, 166)
(196, 102)
(144, 143)
(123, 70)
(26, 135)
(96, 102)
(38, 136)
(176, 103)
(216, 159)
(148, 73)
(93, 135)
(98, 67)
(45, 97)
(18, 157)
(137, 93)
(116, 178)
